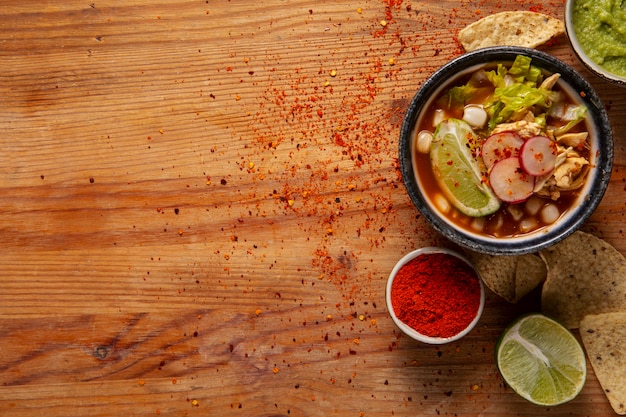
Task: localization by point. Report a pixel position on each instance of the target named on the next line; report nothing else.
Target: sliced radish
(509, 181)
(538, 155)
(500, 146)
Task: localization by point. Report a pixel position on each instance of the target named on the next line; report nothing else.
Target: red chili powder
(436, 294)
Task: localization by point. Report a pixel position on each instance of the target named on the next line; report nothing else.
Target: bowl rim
(580, 53)
(409, 331)
(525, 244)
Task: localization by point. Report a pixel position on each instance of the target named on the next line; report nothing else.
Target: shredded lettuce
(577, 114)
(521, 72)
(541, 120)
(519, 69)
(517, 92)
(514, 101)
(463, 94)
(458, 96)
(498, 77)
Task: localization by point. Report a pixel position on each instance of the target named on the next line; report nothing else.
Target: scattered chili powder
(436, 294)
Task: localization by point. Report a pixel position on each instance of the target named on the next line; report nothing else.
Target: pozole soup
(503, 150)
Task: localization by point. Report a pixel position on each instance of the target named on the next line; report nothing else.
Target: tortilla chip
(585, 276)
(511, 277)
(530, 272)
(520, 28)
(604, 338)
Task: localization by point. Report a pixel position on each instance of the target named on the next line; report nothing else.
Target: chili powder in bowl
(435, 295)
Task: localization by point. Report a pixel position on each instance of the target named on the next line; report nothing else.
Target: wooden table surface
(200, 204)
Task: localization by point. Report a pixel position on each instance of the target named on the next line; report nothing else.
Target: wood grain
(201, 203)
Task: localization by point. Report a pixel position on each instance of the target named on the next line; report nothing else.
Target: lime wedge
(458, 172)
(541, 360)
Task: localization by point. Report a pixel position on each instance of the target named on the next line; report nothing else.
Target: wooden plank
(201, 201)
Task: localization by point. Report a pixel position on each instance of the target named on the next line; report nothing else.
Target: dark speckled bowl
(601, 140)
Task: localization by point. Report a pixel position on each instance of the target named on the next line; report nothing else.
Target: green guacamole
(600, 26)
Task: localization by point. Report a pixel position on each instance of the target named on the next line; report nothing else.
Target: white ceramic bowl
(582, 55)
(409, 330)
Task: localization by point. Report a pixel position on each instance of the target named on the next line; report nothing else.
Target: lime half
(458, 172)
(541, 360)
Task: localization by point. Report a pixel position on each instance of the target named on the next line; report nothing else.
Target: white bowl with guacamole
(597, 32)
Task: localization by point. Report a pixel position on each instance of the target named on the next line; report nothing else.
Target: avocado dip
(600, 26)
